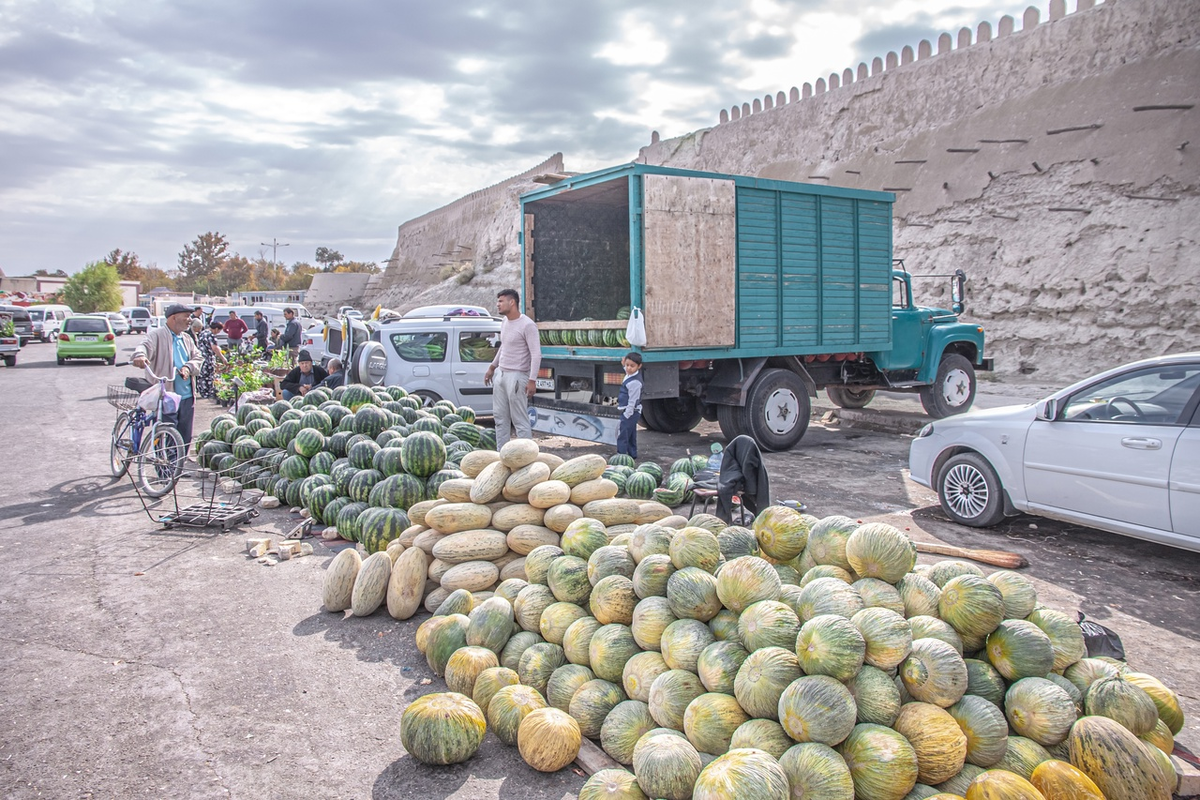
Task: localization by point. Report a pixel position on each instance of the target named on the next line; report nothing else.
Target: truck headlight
(926, 431)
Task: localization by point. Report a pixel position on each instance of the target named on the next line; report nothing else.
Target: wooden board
(690, 261)
(592, 759)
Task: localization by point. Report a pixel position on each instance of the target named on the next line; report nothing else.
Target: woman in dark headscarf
(206, 343)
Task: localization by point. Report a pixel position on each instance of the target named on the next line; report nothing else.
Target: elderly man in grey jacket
(169, 352)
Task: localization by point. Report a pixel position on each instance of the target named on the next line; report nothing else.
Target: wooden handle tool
(997, 558)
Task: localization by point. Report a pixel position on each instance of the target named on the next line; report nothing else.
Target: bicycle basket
(121, 398)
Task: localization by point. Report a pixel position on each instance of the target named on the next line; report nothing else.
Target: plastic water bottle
(714, 461)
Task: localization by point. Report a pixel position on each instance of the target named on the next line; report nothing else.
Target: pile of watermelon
(355, 457)
(648, 481)
(589, 337)
(794, 658)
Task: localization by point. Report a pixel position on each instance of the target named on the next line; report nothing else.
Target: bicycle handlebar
(147, 369)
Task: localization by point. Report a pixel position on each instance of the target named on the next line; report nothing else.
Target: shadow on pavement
(89, 497)
(408, 778)
(1158, 584)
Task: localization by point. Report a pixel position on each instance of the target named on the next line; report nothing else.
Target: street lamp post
(275, 244)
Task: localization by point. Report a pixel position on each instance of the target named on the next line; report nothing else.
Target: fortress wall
(1056, 165)
(463, 252)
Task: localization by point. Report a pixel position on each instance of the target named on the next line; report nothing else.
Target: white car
(120, 325)
(1119, 451)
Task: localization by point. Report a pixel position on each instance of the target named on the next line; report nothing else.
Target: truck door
(910, 329)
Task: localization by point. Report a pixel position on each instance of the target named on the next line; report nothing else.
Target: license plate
(544, 383)
(85, 338)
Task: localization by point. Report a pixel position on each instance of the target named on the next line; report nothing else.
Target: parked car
(138, 317)
(22, 323)
(87, 336)
(448, 310)
(47, 320)
(158, 322)
(1119, 451)
(10, 345)
(120, 325)
(434, 357)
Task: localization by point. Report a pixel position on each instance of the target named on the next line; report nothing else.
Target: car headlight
(926, 431)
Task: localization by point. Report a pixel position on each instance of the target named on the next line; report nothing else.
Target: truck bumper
(585, 421)
(985, 365)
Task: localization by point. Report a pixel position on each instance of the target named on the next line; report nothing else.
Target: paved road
(139, 661)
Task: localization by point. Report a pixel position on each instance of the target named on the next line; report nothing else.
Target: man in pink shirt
(514, 369)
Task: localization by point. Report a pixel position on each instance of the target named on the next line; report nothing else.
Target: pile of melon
(796, 658)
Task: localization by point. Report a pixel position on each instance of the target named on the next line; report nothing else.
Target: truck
(753, 293)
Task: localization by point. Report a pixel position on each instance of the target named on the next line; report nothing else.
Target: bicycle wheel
(120, 452)
(160, 462)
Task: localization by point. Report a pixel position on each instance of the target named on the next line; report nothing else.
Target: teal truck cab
(754, 294)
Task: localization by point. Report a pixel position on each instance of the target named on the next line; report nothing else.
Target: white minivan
(47, 320)
(138, 317)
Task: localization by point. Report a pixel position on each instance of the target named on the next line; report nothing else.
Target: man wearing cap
(291, 334)
(170, 352)
(303, 377)
(235, 329)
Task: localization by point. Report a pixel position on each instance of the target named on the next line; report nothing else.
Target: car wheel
(427, 397)
(112, 362)
(953, 390)
(847, 397)
(10, 361)
(673, 414)
(970, 491)
(62, 362)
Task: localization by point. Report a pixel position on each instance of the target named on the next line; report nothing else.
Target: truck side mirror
(958, 291)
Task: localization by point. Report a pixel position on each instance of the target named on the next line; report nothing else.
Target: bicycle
(159, 455)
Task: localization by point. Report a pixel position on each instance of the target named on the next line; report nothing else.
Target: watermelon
(465, 431)
(294, 468)
(362, 453)
(315, 419)
(376, 527)
(309, 442)
(622, 460)
(370, 421)
(683, 465)
(388, 461)
(361, 484)
(396, 491)
(423, 453)
(438, 478)
(641, 485)
(318, 500)
(356, 396)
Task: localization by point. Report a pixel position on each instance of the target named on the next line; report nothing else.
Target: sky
(139, 124)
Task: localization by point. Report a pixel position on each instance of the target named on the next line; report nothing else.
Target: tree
(202, 259)
(328, 258)
(96, 287)
(42, 273)
(369, 267)
(128, 265)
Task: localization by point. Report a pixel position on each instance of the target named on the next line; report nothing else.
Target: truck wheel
(953, 391)
(732, 420)
(970, 491)
(777, 409)
(673, 414)
(847, 397)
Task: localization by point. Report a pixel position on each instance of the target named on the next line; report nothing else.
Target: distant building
(256, 298)
(42, 288)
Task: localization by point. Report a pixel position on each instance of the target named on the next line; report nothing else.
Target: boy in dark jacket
(629, 402)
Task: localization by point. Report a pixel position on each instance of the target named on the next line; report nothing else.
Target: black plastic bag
(1100, 640)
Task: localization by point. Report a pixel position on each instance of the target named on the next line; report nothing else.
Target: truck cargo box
(723, 266)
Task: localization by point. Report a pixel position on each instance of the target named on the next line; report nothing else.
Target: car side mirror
(1048, 410)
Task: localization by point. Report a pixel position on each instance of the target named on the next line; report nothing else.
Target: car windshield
(85, 325)
(1155, 394)
(18, 314)
(140, 313)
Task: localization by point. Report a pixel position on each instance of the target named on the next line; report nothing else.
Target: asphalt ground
(139, 661)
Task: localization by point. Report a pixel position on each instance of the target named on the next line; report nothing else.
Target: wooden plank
(689, 261)
(592, 759)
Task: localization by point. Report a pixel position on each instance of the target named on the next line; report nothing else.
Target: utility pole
(275, 244)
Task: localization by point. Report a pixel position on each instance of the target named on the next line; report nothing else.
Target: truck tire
(732, 420)
(777, 409)
(970, 491)
(953, 390)
(672, 414)
(849, 397)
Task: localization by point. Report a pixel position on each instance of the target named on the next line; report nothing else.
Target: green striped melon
(830, 645)
(879, 550)
(592, 702)
(736, 541)
(1022, 755)
(1165, 700)
(639, 674)
(1019, 649)
(538, 663)
(1086, 671)
(828, 596)
(748, 773)
(937, 740)
(442, 728)
(724, 626)
(692, 594)
(610, 647)
(650, 618)
(683, 641)
(1040, 710)
(564, 682)
(510, 656)
(670, 695)
(718, 666)
(577, 640)
(973, 606)
(764, 734)
(613, 600)
(666, 765)
(943, 572)
(444, 640)
(652, 574)
(491, 624)
(568, 580)
(875, 695)
(1123, 701)
(768, 623)
(934, 673)
(933, 628)
(762, 678)
(710, 720)
(827, 541)
(529, 605)
(985, 727)
(816, 770)
(745, 581)
(817, 708)
(583, 537)
(623, 727)
(508, 707)
(1020, 596)
(985, 681)
(650, 539)
(882, 764)
(464, 667)
(1066, 637)
(782, 532)
(887, 634)
(538, 560)
(557, 618)
(610, 560)
(879, 594)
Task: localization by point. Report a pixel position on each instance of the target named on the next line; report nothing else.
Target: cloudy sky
(141, 124)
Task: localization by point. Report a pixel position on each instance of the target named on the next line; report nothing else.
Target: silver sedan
(1119, 451)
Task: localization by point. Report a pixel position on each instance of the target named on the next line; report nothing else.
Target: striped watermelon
(487, 439)
(293, 494)
(294, 468)
(346, 423)
(321, 463)
(347, 520)
(245, 448)
(423, 453)
(356, 395)
(378, 526)
(370, 421)
(342, 474)
(309, 484)
(466, 412)
(319, 499)
(334, 507)
(621, 460)
(362, 453)
(684, 465)
(641, 486)
(430, 424)
(361, 484)
(388, 461)
(309, 442)
(397, 491)
(650, 468)
(465, 431)
(287, 431)
(438, 478)
(336, 443)
(317, 420)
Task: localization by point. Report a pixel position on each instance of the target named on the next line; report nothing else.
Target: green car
(87, 336)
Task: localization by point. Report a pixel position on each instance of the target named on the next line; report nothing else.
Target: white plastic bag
(148, 400)
(635, 329)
